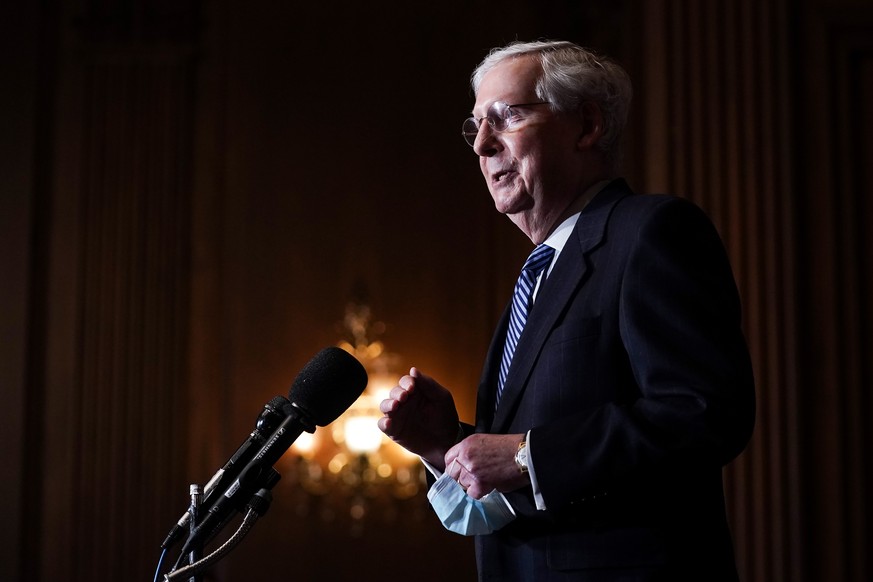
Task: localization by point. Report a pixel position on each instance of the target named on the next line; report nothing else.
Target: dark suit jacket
(634, 378)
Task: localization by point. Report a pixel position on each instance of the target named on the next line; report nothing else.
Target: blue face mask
(465, 515)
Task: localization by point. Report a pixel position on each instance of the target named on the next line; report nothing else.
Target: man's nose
(487, 143)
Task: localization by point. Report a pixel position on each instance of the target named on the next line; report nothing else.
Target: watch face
(521, 458)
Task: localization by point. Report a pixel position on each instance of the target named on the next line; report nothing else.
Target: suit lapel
(568, 274)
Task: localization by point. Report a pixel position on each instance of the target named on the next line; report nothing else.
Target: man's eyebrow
(473, 112)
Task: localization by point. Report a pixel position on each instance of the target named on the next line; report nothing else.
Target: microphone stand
(256, 507)
(197, 550)
(190, 562)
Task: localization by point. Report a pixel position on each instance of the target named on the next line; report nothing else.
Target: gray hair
(572, 76)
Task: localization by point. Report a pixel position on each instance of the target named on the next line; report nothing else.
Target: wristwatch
(521, 456)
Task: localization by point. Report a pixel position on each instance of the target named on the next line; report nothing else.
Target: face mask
(465, 515)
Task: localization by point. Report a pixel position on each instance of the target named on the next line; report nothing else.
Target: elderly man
(618, 382)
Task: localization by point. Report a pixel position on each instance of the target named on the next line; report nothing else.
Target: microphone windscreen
(327, 385)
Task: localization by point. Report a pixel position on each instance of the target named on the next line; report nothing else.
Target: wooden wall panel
(836, 324)
(113, 399)
(21, 199)
(131, 328)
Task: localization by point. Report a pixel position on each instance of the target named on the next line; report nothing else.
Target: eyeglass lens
(497, 116)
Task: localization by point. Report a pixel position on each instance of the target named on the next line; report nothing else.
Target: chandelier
(350, 472)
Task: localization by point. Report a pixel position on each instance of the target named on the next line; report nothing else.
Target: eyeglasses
(499, 116)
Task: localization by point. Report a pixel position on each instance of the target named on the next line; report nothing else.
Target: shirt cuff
(431, 469)
(537, 494)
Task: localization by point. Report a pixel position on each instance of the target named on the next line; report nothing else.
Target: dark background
(192, 191)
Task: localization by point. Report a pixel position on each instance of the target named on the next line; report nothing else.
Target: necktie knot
(538, 259)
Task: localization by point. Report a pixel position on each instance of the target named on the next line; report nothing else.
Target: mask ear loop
(449, 470)
(458, 480)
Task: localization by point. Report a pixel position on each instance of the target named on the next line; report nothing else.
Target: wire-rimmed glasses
(499, 116)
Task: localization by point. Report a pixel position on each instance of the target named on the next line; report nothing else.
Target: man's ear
(592, 125)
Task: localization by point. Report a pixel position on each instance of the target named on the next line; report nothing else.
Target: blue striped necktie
(521, 301)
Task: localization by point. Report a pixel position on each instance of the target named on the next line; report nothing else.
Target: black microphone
(275, 411)
(324, 389)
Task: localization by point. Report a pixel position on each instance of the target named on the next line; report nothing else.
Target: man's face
(532, 169)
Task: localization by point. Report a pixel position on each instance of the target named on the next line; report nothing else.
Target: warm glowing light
(374, 350)
(362, 435)
(305, 444)
(352, 457)
(337, 463)
(399, 451)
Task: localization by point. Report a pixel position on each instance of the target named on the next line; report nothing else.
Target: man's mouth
(501, 175)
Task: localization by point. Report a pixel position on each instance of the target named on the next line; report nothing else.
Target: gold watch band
(521, 456)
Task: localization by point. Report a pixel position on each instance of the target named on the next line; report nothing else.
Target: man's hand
(485, 462)
(420, 416)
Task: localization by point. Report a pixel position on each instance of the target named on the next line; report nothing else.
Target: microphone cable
(160, 563)
(257, 507)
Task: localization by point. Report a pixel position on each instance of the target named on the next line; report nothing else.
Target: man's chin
(510, 205)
